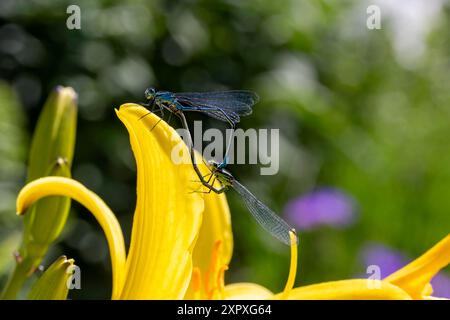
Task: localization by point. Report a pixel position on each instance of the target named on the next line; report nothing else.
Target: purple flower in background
(326, 206)
(389, 261)
(441, 285)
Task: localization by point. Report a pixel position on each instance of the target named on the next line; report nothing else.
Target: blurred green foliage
(362, 110)
(13, 141)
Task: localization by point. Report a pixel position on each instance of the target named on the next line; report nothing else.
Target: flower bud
(51, 154)
(54, 282)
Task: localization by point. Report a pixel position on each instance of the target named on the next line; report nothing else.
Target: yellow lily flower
(181, 241)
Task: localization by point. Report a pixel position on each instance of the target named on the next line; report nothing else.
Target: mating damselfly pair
(227, 106)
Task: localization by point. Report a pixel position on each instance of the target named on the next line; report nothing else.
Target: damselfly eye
(149, 93)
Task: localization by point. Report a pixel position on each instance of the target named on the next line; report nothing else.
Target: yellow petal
(59, 186)
(415, 277)
(356, 289)
(246, 291)
(168, 214)
(216, 228)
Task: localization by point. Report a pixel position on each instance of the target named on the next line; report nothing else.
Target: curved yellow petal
(59, 186)
(415, 277)
(168, 214)
(246, 291)
(356, 289)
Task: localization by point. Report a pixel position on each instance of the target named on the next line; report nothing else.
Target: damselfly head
(150, 93)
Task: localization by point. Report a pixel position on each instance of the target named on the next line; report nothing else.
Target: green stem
(17, 279)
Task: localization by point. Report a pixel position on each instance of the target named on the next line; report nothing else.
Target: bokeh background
(363, 117)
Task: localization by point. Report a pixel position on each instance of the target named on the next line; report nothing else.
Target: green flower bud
(54, 283)
(51, 154)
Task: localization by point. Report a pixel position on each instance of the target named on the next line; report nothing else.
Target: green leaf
(54, 283)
